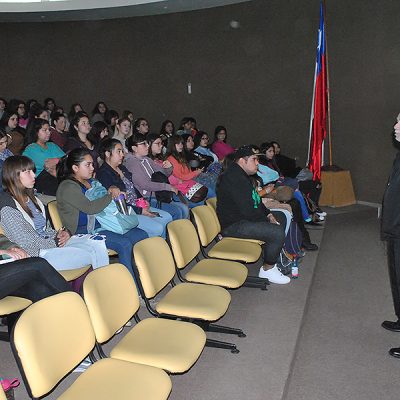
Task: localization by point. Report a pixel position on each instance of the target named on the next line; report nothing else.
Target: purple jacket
(141, 170)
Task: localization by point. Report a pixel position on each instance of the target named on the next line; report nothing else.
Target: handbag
(110, 218)
(197, 193)
(304, 175)
(162, 196)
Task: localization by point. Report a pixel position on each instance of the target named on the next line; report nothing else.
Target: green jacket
(71, 200)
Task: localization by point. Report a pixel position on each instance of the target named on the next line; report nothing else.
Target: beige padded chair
(212, 202)
(191, 301)
(208, 228)
(10, 305)
(185, 246)
(57, 223)
(55, 334)
(111, 297)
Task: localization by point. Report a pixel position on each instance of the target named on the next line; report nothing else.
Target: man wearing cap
(243, 215)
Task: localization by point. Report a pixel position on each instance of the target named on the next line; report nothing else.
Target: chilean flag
(319, 105)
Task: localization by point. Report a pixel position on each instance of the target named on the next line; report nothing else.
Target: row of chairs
(112, 300)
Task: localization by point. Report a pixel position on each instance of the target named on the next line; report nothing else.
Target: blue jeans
(176, 208)
(123, 244)
(155, 226)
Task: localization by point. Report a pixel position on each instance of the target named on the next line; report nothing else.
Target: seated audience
(111, 118)
(183, 177)
(79, 136)
(112, 173)
(166, 131)
(219, 146)
(142, 167)
(43, 153)
(32, 278)
(3, 106)
(23, 219)
(141, 126)
(123, 131)
(99, 112)
(58, 135)
(243, 215)
(75, 172)
(76, 107)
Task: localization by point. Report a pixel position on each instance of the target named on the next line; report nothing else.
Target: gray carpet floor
(316, 338)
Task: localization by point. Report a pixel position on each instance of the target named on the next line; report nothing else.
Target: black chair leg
(256, 285)
(4, 337)
(257, 279)
(222, 345)
(224, 329)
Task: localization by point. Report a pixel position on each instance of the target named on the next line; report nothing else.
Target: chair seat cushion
(12, 304)
(71, 274)
(229, 274)
(115, 379)
(192, 300)
(171, 345)
(236, 249)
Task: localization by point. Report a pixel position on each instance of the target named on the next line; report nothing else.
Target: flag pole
(328, 93)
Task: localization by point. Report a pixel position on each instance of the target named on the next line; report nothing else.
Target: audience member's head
(111, 118)
(167, 128)
(201, 139)
(277, 147)
(39, 132)
(80, 125)
(189, 143)
(247, 158)
(76, 107)
(19, 178)
(100, 108)
(9, 121)
(76, 165)
(137, 144)
(220, 134)
(98, 132)
(268, 149)
(112, 152)
(123, 128)
(176, 148)
(141, 125)
(128, 114)
(58, 121)
(49, 104)
(155, 146)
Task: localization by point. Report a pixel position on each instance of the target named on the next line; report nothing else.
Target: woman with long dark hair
(112, 173)
(79, 136)
(220, 146)
(23, 219)
(76, 175)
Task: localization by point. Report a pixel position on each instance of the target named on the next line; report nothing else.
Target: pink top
(222, 149)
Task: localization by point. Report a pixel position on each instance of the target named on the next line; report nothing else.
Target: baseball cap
(246, 151)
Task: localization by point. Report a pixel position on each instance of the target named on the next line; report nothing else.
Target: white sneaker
(274, 276)
(322, 214)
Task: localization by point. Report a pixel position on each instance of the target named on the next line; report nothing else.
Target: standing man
(243, 215)
(390, 229)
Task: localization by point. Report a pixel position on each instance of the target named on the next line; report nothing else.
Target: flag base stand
(337, 187)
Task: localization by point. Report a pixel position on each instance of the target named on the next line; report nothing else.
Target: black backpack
(162, 196)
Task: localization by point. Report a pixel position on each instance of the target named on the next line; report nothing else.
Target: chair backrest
(207, 224)
(54, 215)
(112, 299)
(212, 202)
(184, 241)
(155, 264)
(50, 338)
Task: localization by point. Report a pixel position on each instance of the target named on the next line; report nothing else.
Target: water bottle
(121, 204)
